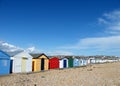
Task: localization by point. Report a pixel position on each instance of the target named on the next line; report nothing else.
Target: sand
(107, 74)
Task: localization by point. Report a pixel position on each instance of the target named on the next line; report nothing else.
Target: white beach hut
(83, 60)
(91, 60)
(22, 62)
(63, 63)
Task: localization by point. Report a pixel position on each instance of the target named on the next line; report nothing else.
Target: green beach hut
(70, 61)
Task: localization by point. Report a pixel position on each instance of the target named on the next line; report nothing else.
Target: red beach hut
(53, 63)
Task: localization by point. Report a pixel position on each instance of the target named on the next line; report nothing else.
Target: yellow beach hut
(40, 62)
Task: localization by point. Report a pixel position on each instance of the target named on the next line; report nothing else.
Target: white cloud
(33, 49)
(111, 21)
(113, 16)
(12, 50)
(96, 45)
(102, 21)
(8, 48)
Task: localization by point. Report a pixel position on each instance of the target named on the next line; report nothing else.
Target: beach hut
(4, 63)
(91, 60)
(53, 63)
(63, 63)
(40, 62)
(22, 62)
(98, 60)
(76, 62)
(70, 62)
(80, 62)
(84, 61)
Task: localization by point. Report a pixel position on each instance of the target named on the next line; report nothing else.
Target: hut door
(33, 64)
(11, 64)
(80, 61)
(23, 68)
(90, 60)
(42, 63)
(65, 63)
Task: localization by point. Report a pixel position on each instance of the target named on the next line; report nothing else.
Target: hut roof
(38, 55)
(68, 57)
(23, 54)
(3, 54)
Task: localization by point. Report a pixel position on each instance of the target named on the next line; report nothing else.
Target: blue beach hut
(76, 62)
(85, 61)
(4, 63)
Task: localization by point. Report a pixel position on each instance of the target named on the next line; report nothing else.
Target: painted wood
(36, 65)
(53, 63)
(22, 62)
(41, 62)
(23, 66)
(76, 62)
(63, 63)
(70, 62)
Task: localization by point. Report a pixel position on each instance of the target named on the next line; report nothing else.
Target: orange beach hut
(40, 62)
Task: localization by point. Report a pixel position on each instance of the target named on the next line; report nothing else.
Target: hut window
(24, 58)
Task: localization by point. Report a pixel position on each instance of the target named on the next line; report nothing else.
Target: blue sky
(74, 27)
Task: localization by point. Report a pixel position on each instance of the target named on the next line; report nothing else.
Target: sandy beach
(107, 74)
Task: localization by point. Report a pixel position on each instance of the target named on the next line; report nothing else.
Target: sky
(69, 27)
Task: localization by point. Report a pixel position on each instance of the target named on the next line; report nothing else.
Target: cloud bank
(111, 42)
(10, 49)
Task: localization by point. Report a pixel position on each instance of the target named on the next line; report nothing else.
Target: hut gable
(39, 56)
(23, 55)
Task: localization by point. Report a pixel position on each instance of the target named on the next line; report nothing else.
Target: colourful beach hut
(76, 62)
(53, 63)
(84, 61)
(4, 63)
(22, 62)
(70, 62)
(40, 62)
(63, 63)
